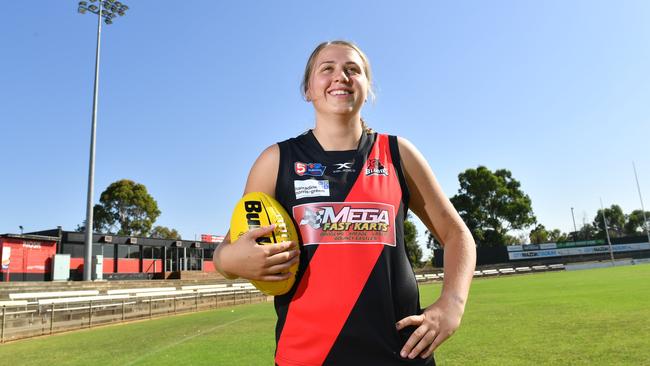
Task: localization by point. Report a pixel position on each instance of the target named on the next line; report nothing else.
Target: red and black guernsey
(355, 281)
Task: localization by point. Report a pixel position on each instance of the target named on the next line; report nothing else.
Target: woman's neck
(338, 134)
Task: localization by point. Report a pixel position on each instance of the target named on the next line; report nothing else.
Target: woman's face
(338, 83)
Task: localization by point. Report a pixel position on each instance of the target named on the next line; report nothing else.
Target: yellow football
(257, 209)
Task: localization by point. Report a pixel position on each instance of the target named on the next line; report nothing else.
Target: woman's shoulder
(263, 173)
(411, 157)
(403, 144)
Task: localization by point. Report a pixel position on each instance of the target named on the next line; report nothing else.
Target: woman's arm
(245, 258)
(440, 320)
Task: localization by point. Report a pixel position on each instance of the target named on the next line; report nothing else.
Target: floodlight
(108, 15)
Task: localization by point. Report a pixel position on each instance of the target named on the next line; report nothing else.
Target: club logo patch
(375, 167)
(343, 167)
(346, 223)
(310, 169)
(311, 188)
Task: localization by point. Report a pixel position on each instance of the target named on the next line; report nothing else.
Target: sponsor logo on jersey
(343, 167)
(310, 169)
(375, 167)
(346, 223)
(311, 188)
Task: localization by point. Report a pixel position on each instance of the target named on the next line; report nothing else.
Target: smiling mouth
(340, 92)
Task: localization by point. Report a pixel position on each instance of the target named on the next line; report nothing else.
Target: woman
(355, 301)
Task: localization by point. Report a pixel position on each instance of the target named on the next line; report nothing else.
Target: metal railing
(24, 321)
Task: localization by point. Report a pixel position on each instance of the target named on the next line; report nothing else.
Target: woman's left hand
(436, 323)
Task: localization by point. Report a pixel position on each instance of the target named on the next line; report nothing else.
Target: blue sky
(558, 92)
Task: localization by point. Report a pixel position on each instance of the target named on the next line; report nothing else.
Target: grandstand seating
(13, 303)
(199, 287)
(67, 300)
(139, 290)
(27, 314)
(493, 272)
(40, 295)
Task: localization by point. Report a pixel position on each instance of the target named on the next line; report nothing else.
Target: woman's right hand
(245, 258)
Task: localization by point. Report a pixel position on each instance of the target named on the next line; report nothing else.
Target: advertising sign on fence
(577, 251)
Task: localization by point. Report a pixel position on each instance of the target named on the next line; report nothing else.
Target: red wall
(128, 265)
(148, 265)
(77, 263)
(28, 255)
(208, 266)
(124, 265)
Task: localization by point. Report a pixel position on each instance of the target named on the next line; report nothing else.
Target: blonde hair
(304, 85)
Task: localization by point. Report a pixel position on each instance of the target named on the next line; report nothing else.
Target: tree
(491, 204)
(521, 238)
(125, 208)
(556, 235)
(634, 224)
(432, 242)
(538, 235)
(587, 232)
(413, 250)
(615, 222)
(163, 232)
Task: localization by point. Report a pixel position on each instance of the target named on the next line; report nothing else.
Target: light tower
(106, 10)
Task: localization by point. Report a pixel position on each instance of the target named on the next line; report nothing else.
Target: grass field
(590, 317)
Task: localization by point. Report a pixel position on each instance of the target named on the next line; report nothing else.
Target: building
(26, 257)
(124, 257)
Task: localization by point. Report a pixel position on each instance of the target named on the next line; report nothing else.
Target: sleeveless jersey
(354, 280)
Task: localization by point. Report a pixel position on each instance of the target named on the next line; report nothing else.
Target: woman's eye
(354, 70)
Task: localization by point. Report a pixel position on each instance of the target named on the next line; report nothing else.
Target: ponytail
(364, 126)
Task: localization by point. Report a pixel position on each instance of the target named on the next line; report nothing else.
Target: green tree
(413, 250)
(587, 232)
(538, 235)
(634, 224)
(556, 235)
(491, 204)
(125, 208)
(521, 238)
(615, 222)
(432, 242)
(163, 232)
